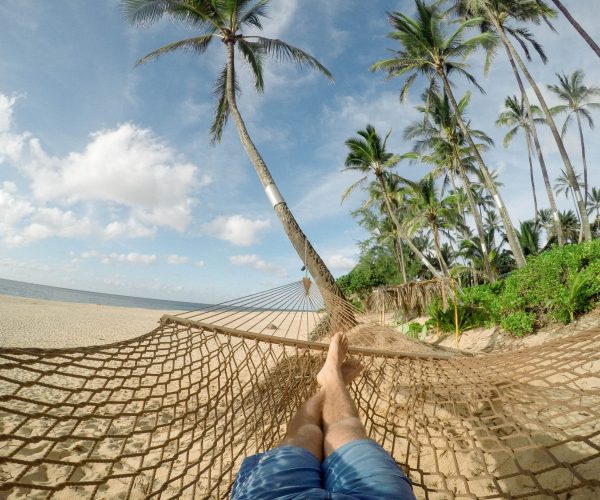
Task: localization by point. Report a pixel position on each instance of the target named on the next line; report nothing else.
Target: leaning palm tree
(584, 34)
(495, 16)
(515, 115)
(441, 137)
(577, 97)
(367, 154)
(226, 21)
(427, 49)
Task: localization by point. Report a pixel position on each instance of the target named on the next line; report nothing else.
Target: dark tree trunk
(578, 27)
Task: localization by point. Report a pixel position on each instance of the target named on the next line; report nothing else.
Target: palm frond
(282, 51)
(197, 44)
(222, 107)
(253, 56)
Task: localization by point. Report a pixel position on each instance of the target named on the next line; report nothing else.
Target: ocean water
(31, 290)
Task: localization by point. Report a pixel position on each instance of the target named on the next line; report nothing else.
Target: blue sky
(108, 181)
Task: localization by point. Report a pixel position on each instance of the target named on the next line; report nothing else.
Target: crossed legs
(329, 419)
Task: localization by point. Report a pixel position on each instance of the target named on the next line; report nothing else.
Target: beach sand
(26, 322)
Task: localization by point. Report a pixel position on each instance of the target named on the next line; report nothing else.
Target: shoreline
(29, 322)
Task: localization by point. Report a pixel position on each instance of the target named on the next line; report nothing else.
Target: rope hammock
(172, 414)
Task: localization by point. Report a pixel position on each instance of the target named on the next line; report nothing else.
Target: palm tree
(578, 27)
(442, 138)
(495, 15)
(570, 225)
(427, 209)
(577, 97)
(563, 185)
(515, 116)
(367, 155)
(225, 21)
(426, 50)
(530, 236)
(594, 202)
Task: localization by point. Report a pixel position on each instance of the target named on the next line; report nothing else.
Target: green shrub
(414, 329)
(518, 323)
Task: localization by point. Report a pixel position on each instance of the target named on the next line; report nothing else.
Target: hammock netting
(173, 413)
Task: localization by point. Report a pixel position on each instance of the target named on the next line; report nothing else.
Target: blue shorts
(359, 470)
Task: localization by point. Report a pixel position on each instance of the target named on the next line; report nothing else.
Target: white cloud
(237, 229)
(199, 263)
(131, 228)
(125, 175)
(257, 263)
(121, 258)
(340, 262)
(175, 259)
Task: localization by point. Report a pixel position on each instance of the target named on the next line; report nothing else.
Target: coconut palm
(496, 16)
(594, 202)
(577, 97)
(563, 186)
(427, 209)
(442, 138)
(428, 50)
(515, 115)
(367, 154)
(570, 225)
(499, 16)
(530, 237)
(578, 27)
(227, 21)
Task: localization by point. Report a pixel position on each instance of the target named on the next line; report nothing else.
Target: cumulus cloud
(122, 258)
(340, 262)
(257, 263)
(237, 229)
(175, 259)
(124, 174)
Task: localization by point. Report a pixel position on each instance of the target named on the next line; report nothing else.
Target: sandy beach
(47, 324)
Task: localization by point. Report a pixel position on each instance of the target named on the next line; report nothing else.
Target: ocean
(31, 290)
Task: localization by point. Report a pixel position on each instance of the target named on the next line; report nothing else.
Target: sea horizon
(60, 294)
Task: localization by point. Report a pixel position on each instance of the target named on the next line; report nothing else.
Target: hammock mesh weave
(173, 413)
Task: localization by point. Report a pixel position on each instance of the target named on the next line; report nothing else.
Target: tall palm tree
(442, 138)
(594, 202)
(563, 185)
(367, 154)
(495, 15)
(427, 49)
(515, 115)
(427, 209)
(578, 27)
(577, 97)
(226, 21)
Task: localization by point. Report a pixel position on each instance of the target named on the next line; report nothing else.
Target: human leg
(305, 428)
(341, 424)
(354, 465)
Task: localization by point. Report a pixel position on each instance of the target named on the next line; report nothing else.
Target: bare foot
(351, 368)
(332, 369)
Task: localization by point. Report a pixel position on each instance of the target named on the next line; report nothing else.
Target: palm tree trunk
(401, 232)
(535, 203)
(400, 253)
(538, 150)
(315, 265)
(561, 147)
(585, 169)
(578, 27)
(513, 241)
(438, 251)
(478, 224)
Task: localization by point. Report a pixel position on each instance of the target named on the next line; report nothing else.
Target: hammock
(173, 413)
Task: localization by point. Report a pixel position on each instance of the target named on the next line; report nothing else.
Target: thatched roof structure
(414, 296)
